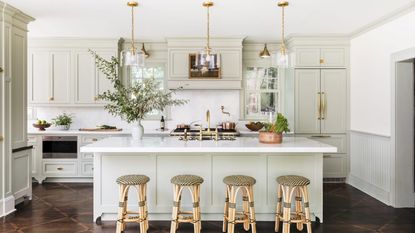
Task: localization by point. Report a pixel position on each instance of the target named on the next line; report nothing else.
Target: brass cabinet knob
(1, 70)
(321, 61)
(94, 139)
(95, 98)
(59, 168)
(1, 138)
(51, 98)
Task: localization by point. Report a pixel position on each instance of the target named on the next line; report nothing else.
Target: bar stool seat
(293, 180)
(186, 180)
(125, 215)
(288, 187)
(191, 182)
(239, 180)
(234, 184)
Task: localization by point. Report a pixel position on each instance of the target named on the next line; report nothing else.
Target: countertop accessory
(254, 126)
(42, 127)
(273, 130)
(63, 121)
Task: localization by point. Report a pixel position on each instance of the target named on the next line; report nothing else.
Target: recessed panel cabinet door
(85, 76)
(307, 57)
(307, 101)
(61, 74)
(39, 77)
(334, 100)
(333, 57)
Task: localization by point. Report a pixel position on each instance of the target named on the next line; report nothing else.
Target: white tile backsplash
(199, 102)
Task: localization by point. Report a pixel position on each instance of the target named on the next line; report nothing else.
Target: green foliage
(279, 126)
(62, 119)
(132, 103)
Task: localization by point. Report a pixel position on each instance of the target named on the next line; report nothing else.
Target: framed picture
(198, 72)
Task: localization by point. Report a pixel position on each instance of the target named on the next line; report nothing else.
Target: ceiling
(158, 19)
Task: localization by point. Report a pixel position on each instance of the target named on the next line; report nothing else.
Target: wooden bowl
(254, 126)
(42, 127)
(270, 138)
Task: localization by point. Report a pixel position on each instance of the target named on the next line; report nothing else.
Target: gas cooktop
(196, 132)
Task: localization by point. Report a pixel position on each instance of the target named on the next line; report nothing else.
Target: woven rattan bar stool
(234, 184)
(193, 183)
(287, 186)
(140, 183)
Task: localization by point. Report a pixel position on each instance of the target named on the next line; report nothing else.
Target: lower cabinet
(22, 175)
(78, 170)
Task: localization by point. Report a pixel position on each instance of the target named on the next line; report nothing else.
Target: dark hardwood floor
(67, 208)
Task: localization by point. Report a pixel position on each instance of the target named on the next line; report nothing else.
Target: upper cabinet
(179, 51)
(320, 57)
(63, 71)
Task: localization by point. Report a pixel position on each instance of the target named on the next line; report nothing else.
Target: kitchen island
(161, 158)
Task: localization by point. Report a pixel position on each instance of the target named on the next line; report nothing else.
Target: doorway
(403, 128)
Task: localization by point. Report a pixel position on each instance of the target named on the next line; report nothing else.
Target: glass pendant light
(282, 59)
(132, 56)
(207, 59)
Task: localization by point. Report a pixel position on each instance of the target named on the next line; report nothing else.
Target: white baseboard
(369, 189)
(7, 206)
(69, 180)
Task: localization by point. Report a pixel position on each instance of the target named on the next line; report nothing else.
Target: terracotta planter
(270, 138)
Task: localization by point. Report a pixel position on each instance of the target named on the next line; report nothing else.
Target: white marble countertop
(240, 145)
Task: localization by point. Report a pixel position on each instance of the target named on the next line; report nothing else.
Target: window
(262, 92)
(157, 71)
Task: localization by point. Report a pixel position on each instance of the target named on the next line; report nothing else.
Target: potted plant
(272, 132)
(133, 102)
(63, 121)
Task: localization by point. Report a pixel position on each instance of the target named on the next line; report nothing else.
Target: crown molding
(384, 20)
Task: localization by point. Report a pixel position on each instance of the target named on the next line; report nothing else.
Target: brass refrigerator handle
(319, 105)
(323, 106)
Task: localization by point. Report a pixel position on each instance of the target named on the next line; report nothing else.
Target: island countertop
(240, 145)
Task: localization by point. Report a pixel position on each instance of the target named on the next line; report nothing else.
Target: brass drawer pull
(59, 168)
(51, 98)
(321, 61)
(94, 139)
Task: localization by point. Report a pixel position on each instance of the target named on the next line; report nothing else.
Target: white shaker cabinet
(320, 57)
(320, 101)
(49, 77)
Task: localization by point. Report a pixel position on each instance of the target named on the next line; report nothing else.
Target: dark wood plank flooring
(67, 208)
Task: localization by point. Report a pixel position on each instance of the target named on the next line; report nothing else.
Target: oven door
(60, 147)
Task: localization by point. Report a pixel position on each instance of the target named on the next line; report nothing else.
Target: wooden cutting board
(100, 130)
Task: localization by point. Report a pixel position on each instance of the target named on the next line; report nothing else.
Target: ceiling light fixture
(264, 53)
(282, 54)
(207, 58)
(132, 56)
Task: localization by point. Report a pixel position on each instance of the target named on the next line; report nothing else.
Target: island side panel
(161, 167)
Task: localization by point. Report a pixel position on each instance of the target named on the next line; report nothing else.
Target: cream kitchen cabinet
(50, 76)
(320, 57)
(320, 101)
(62, 72)
(89, 82)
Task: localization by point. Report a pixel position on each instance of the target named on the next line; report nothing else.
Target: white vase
(137, 131)
(63, 127)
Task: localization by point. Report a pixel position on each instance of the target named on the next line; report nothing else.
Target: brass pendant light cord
(132, 29)
(208, 30)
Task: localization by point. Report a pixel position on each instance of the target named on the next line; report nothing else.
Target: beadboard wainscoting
(370, 169)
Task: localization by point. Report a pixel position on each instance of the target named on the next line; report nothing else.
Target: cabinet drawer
(334, 165)
(338, 141)
(60, 168)
(87, 168)
(91, 139)
(87, 156)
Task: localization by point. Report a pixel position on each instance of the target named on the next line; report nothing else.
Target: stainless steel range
(205, 134)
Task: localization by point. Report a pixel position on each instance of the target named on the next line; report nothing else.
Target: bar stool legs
(179, 216)
(288, 187)
(234, 184)
(140, 184)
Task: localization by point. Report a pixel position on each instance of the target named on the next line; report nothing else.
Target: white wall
(199, 102)
(371, 73)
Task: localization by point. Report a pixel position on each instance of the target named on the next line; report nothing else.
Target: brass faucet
(208, 120)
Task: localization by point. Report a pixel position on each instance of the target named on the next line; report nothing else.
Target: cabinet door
(334, 100)
(307, 57)
(231, 65)
(61, 76)
(307, 101)
(85, 76)
(19, 88)
(335, 57)
(103, 83)
(334, 166)
(39, 77)
(22, 174)
(179, 65)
